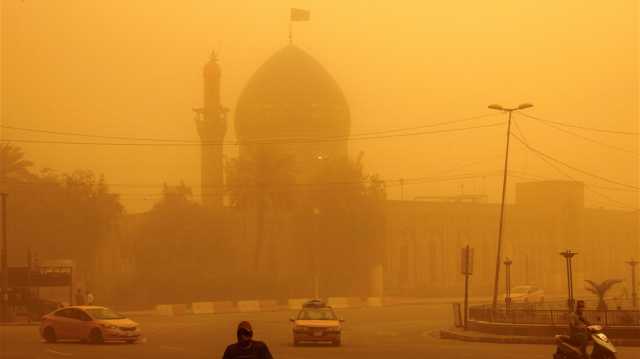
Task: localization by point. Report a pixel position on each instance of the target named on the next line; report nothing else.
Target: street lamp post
(5, 268)
(504, 191)
(634, 294)
(314, 257)
(568, 255)
(316, 212)
(507, 298)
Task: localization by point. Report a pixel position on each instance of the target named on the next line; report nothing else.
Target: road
(391, 332)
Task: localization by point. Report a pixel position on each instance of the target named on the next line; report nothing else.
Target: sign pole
(467, 263)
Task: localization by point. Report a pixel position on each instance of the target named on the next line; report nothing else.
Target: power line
(580, 127)
(547, 158)
(387, 183)
(195, 141)
(573, 167)
(546, 123)
(291, 141)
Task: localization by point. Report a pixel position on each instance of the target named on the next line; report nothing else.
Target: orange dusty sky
(133, 68)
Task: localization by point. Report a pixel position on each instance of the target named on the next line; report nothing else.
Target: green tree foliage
(344, 210)
(261, 181)
(601, 289)
(182, 251)
(58, 216)
(13, 165)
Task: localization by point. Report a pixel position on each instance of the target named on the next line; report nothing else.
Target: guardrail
(552, 316)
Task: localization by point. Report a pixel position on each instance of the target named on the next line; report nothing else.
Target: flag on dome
(300, 15)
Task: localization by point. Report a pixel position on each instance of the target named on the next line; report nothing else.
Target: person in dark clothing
(578, 332)
(80, 299)
(246, 347)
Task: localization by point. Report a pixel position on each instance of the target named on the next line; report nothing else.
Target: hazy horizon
(133, 69)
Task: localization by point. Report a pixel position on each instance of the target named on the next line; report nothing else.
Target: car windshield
(317, 314)
(104, 313)
(520, 290)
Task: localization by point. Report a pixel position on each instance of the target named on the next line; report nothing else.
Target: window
(65, 313)
(104, 313)
(317, 314)
(80, 315)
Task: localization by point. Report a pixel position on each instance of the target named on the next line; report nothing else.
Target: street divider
(296, 303)
(338, 302)
(269, 305)
(224, 307)
(202, 308)
(374, 302)
(245, 306)
(164, 309)
(355, 302)
(293, 304)
(179, 309)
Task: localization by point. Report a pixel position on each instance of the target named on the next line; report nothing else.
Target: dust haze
(180, 152)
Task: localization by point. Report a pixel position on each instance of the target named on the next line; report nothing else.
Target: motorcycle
(602, 346)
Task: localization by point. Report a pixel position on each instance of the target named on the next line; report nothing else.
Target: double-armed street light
(508, 110)
(568, 255)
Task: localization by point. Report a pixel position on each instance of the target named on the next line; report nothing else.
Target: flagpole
(290, 32)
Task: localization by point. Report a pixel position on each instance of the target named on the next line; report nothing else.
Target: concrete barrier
(224, 307)
(180, 309)
(269, 305)
(164, 309)
(202, 308)
(374, 302)
(338, 302)
(296, 303)
(355, 302)
(245, 306)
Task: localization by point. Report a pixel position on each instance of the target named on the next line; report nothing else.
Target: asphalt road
(392, 332)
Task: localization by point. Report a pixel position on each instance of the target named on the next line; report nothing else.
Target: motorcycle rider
(246, 347)
(578, 332)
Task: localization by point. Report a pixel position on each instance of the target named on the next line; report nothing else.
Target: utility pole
(634, 293)
(568, 255)
(504, 193)
(5, 267)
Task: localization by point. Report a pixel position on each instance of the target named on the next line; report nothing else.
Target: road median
(479, 337)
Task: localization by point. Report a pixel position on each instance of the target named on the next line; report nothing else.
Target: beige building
(424, 240)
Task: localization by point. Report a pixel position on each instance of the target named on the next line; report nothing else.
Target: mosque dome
(292, 96)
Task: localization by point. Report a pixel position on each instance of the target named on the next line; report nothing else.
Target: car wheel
(95, 337)
(131, 341)
(337, 343)
(49, 335)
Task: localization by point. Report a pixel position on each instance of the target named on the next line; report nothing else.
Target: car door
(79, 324)
(62, 323)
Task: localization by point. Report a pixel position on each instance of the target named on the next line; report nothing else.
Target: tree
(182, 252)
(344, 207)
(13, 165)
(601, 290)
(261, 180)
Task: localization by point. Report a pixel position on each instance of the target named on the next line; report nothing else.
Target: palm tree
(12, 163)
(260, 180)
(601, 289)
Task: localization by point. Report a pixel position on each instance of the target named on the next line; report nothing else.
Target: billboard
(49, 276)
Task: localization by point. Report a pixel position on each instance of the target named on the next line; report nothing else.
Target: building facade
(424, 241)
